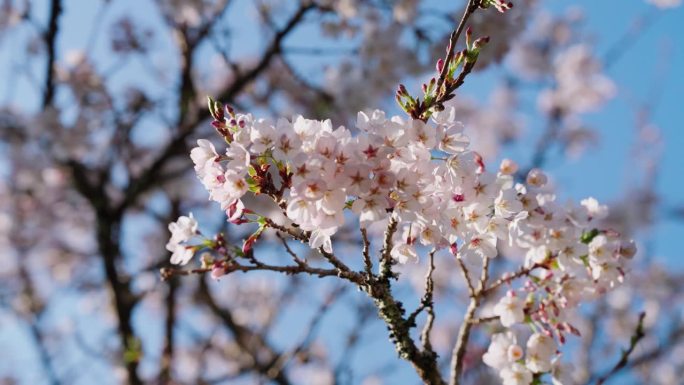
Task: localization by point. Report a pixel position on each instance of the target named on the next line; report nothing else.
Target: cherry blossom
(510, 310)
(184, 229)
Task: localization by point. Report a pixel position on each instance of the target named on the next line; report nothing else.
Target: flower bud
(508, 167)
(440, 65)
(453, 248)
(628, 249)
(218, 270)
(206, 260)
(514, 353)
(536, 178)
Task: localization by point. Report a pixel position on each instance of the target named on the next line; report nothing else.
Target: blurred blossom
(665, 4)
(580, 85)
(493, 124)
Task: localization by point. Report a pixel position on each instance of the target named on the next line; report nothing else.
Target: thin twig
(232, 266)
(367, 262)
(289, 250)
(304, 238)
(427, 298)
(464, 332)
(385, 255)
(624, 358)
(311, 329)
(50, 37)
(466, 276)
(453, 40)
(507, 278)
(483, 320)
(630, 37)
(263, 356)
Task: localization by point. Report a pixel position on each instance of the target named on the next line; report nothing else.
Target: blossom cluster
(423, 177)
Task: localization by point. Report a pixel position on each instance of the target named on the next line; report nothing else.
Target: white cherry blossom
(510, 310)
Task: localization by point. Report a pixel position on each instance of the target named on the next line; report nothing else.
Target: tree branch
(385, 254)
(176, 146)
(367, 262)
(453, 40)
(50, 38)
(264, 357)
(464, 332)
(624, 358)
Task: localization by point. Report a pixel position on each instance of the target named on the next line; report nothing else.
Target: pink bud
(235, 211)
(480, 163)
(536, 178)
(218, 270)
(508, 167)
(247, 246)
(440, 65)
(454, 248)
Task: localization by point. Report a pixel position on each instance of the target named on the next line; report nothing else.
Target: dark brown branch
(169, 328)
(289, 250)
(50, 38)
(108, 225)
(273, 49)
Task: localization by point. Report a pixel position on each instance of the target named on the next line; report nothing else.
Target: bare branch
(507, 278)
(464, 332)
(343, 270)
(427, 298)
(624, 358)
(311, 329)
(169, 328)
(50, 37)
(147, 179)
(385, 254)
(368, 263)
(466, 276)
(264, 357)
(484, 320)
